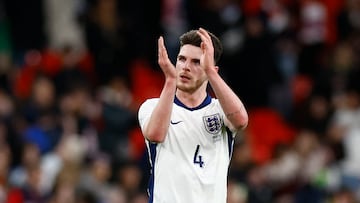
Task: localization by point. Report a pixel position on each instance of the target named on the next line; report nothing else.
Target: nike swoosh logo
(174, 123)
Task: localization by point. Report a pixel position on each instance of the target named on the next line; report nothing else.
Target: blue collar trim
(206, 102)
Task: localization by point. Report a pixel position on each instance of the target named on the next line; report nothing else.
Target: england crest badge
(213, 123)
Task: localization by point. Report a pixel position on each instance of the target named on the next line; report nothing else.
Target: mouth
(184, 77)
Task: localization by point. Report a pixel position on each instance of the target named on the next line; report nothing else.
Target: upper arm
(227, 122)
(144, 117)
(144, 113)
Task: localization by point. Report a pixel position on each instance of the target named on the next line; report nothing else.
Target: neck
(191, 100)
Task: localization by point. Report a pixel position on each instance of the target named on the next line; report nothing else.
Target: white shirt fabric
(191, 165)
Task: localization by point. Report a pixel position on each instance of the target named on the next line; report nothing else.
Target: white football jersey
(191, 165)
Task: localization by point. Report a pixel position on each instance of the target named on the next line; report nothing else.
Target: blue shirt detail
(206, 102)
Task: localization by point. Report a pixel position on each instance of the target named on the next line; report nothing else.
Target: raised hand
(207, 58)
(163, 60)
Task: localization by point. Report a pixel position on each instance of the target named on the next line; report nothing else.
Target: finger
(203, 46)
(162, 49)
(204, 35)
(160, 45)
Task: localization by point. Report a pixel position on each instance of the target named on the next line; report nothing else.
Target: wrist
(213, 70)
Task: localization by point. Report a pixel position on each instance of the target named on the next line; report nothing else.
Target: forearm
(232, 106)
(158, 124)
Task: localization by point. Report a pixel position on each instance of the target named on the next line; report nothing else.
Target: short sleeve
(223, 116)
(145, 111)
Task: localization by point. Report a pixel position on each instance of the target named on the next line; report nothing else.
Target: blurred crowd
(73, 73)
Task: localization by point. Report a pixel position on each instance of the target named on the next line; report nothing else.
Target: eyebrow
(193, 59)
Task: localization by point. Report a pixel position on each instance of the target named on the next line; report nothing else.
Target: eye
(181, 58)
(196, 62)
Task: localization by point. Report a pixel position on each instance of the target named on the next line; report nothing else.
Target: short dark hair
(191, 37)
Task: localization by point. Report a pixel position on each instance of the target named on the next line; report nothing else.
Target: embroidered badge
(212, 123)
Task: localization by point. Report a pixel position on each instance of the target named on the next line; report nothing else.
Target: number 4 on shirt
(197, 157)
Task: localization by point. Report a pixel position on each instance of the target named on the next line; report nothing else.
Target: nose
(186, 65)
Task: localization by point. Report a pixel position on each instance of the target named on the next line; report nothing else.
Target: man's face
(190, 75)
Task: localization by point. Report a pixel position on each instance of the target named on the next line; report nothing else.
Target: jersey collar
(206, 101)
